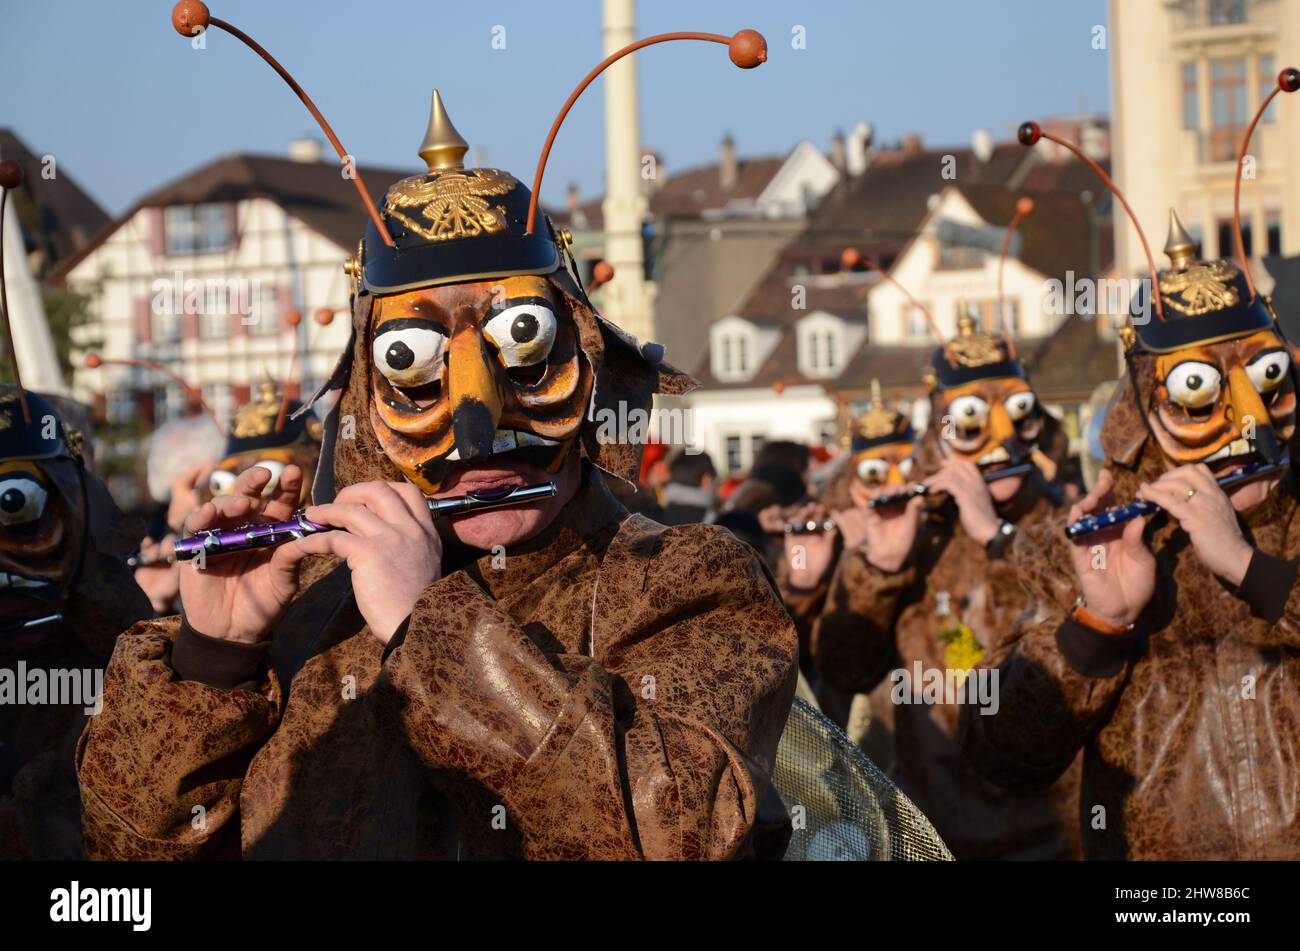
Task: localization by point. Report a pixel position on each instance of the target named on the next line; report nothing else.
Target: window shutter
(143, 320)
(232, 225)
(157, 232)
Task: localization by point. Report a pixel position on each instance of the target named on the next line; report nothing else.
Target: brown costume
(77, 541)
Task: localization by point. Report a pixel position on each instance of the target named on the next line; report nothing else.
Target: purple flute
(225, 541)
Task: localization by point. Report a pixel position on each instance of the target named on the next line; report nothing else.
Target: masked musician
(270, 432)
(1169, 653)
(929, 589)
(556, 680)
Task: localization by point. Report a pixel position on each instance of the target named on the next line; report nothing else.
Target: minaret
(32, 341)
(625, 302)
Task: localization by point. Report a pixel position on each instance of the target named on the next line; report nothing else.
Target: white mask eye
(968, 412)
(905, 467)
(873, 470)
(220, 481)
(409, 355)
(22, 500)
(1193, 384)
(1268, 370)
(1019, 405)
(523, 334)
(275, 468)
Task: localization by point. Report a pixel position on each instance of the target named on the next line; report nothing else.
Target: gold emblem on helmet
(257, 418)
(452, 203)
(876, 422)
(972, 348)
(1199, 290)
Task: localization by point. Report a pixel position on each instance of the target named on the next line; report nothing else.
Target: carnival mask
(980, 421)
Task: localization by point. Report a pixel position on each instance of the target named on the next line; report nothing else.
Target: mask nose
(475, 396)
(1245, 405)
(895, 476)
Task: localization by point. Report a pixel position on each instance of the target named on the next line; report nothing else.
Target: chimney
(855, 160)
(981, 143)
(306, 150)
(839, 152)
(727, 167)
(912, 144)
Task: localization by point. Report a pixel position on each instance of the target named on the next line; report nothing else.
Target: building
(199, 276)
(812, 335)
(1186, 79)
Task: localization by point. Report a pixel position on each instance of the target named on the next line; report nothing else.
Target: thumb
(1134, 547)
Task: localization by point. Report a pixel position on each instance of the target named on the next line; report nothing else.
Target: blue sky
(125, 104)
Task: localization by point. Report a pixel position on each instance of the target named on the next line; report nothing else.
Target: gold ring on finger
(1190, 493)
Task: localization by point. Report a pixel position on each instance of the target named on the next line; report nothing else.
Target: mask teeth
(1287, 81)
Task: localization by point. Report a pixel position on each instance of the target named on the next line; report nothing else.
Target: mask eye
(220, 481)
(1019, 405)
(873, 470)
(522, 334)
(968, 412)
(1268, 370)
(906, 466)
(275, 468)
(409, 356)
(1193, 384)
(21, 501)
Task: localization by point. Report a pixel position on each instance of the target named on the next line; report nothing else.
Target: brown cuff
(1267, 585)
(227, 665)
(1093, 653)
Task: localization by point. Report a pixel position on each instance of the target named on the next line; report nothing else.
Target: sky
(125, 104)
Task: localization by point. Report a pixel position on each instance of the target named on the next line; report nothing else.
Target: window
(734, 463)
(1227, 12)
(1229, 112)
(735, 354)
(1191, 106)
(1228, 239)
(914, 323)
(197, 229)
(1267, 80)
(1274, 233)
(822, 351)
(213, 326)
(955, 257)
(265, 319)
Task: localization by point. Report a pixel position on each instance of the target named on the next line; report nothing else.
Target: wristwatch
(996, 547)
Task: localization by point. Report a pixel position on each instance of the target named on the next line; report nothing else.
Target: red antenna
(851, 258)
(1287, 81)
(192, 17)
(94, 361)
(747, 49)
(1024, 208)
(1029, 134)
(601, 275)
(11, 176)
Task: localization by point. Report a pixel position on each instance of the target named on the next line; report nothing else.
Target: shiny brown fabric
(611, 689)
(1192, 748)
(874, 622)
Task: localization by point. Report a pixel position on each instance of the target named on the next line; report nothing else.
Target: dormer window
(734, 354)
(826, 343)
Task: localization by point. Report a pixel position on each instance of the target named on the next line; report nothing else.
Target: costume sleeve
(1270, 589)
(853, 640)
(161, 765)
(1057, 679)
(804, 604)
(658, 743)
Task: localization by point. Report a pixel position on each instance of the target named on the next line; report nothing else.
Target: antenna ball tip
(324, 316)
(11, 174)
(778, 387)
(1029, 133)
(1025, 206)
(1289, 79)
(850, 258)
(747, 49)
(190, 17)
(602, 273)
(293, 317)
(93, 361)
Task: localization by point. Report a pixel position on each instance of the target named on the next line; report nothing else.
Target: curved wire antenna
(1288, 80)
(11, 176)
(94, 361)
(601, 275)
(1029, 133)
(851, 258)
(1024, 208)
(747, 49)
(191, 17)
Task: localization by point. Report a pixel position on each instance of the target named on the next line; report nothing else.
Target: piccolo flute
(225, 541)
(1139, 507)
(809, 527)
(993, 475)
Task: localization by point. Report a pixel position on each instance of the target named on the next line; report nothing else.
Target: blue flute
(1139, 507)
(225, 541)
